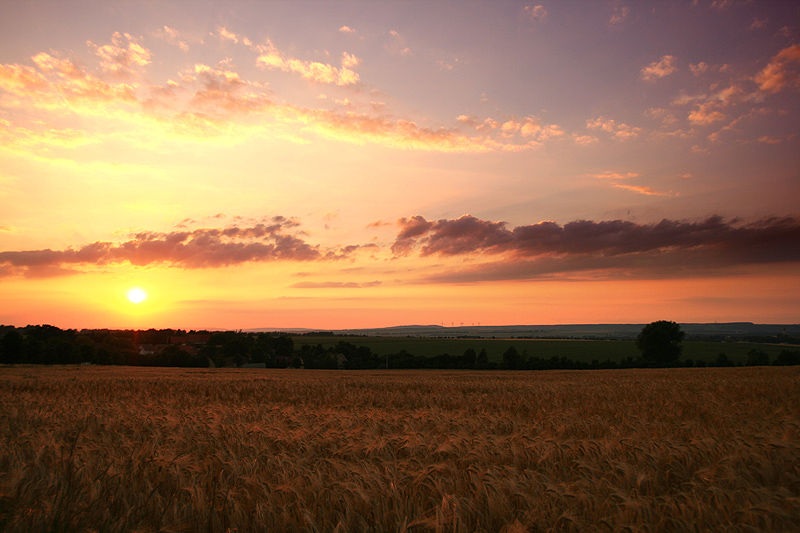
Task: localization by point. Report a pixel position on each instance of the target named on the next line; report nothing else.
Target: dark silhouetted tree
(723, 360)
(482, 362)
(469, 358)
(757, 358)
(512, 360)
(787, 358)
(660, 342)
(12, 347)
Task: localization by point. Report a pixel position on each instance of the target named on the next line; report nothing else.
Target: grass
(138, 449)
(577, 350)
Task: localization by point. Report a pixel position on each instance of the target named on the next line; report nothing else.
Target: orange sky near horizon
(353, 165)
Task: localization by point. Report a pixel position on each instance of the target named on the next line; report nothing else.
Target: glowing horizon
(366, 165)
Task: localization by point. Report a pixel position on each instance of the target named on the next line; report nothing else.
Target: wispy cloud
(620, 14)
(609, 175)
(641, 189)
(272, 58)
(334, 285)
(213, 100)
(536, 13)
(619, 130)
(172, 36)
(122, 56)
(614, 179)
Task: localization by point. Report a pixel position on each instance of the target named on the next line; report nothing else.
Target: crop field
(144, 449)
(576, 350)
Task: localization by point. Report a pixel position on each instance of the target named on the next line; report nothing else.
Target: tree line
(659, 343)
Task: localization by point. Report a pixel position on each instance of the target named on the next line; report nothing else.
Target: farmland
(121, 449)
(575, 350)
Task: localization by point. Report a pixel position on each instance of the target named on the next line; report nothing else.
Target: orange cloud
(333, 285)
(122, 56)
(618, 130)
(642, 190)
(659, 69)
(60, 83)
(172, 36)
(782, 71)
(705, 114)
(615, 175)
(209, 101)
(272, 58)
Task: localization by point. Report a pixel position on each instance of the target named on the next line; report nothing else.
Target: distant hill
(569, 331)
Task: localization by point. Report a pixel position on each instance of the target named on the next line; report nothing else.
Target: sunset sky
(364, 164)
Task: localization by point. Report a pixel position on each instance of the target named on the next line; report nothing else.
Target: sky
(334, 165)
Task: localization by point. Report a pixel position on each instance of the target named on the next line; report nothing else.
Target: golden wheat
(135, 449)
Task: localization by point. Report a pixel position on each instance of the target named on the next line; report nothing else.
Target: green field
(577, 350)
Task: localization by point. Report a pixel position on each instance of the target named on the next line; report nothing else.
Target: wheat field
(136, 449)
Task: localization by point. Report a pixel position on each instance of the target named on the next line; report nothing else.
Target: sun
(137, 295)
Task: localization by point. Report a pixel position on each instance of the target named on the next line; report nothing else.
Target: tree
(660, 342)
(469, 358)
(482, 362)
(12, 347)
(512, 360)
(757, 358)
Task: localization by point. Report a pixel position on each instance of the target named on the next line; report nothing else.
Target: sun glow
(137, 295)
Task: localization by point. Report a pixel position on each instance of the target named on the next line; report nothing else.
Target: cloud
(757, 24)
(347, 29)
(449, 237)
(333, 285)
(705, 114)
(379, 224)
(397, 45)
(615, 177)
(665, 249)
(122, 56)
(782, 71)
(172, 36)
(643, 190)
(608, 175)
(699, 69)
(663, 115)
(618, 130)
(200, 248)
(659, 69)
(721, 4)
(619, 16)
(584, 140)
(60, 83)
(224, 90)
(41, 139)
(210, 101)
(535, 13)
(271, 58)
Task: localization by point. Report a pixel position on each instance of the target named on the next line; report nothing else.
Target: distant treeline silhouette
(50, 345)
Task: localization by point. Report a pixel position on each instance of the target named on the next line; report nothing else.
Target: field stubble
(122, 449)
